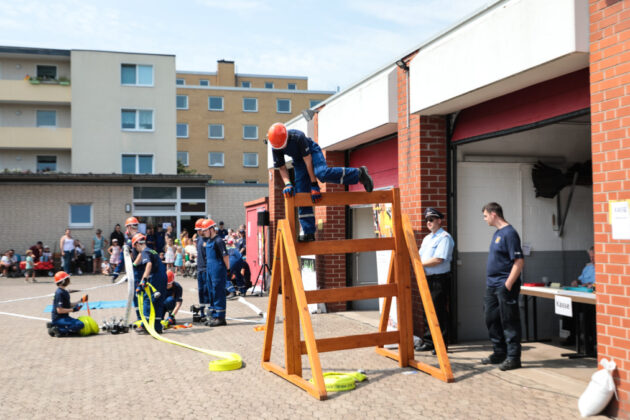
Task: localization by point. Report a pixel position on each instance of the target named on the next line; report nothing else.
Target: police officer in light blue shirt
(436, 253)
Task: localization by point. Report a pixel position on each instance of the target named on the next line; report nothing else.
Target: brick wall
(225, 202)
(276, 209)
(421, 173)
(610, 123)
(32, 213)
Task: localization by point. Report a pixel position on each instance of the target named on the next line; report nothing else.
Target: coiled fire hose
(226, 360)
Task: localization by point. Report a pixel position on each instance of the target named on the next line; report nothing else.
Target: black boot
(307, 237)
(365, 179)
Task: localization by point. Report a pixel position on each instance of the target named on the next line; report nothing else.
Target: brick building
(463, 119)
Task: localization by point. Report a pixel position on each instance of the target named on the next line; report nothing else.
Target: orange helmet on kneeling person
(61, 276)
(278, 136)
(138, 237)
(170, 277)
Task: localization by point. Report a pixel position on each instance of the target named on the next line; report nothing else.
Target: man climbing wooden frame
(286, 272)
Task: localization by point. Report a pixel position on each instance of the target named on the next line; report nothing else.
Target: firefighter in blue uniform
(236, 268)
(62, 323)
(217, 264)
(202, 281)
(310, 166)
(151, 270)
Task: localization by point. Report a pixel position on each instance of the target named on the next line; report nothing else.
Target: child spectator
(46, 254)
(169, 254)
(105, 268)
(62, 323)
(29, 269)
(114, 256)
(179, 260)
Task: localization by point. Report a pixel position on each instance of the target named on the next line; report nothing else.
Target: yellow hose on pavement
(227, 360)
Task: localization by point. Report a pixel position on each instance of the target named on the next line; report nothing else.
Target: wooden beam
(294, 379)
(345, 198)
(274, 288)
(345, 294)
(354, 341)
(344, 246)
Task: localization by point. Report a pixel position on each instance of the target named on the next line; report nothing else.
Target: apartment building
(222, 119)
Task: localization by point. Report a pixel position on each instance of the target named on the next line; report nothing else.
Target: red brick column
(610, 124)
(421, 173)
(276, 209)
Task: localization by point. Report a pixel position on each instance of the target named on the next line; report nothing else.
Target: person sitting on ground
(14, 263)
(46, 254)
(62, 323)
(236, 272)
(5, 264)
(29, 269)
(310, 166)
(105, 268)
(173, 300)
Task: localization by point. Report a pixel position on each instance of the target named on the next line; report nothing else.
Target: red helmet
(61, 276)
(207, 224)
(138, 237)
(170, 276)
(131, 221)
(277, 136)
(198, 224)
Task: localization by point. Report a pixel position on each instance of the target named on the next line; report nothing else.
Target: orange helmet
(198, 224)
(61, 276)
(170, 276)
(138, 237)
(207, 224)
(131, 221)
(277, 136)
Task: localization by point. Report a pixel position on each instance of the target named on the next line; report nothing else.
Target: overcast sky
(333, 43)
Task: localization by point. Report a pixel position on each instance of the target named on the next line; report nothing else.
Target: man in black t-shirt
(503, 285)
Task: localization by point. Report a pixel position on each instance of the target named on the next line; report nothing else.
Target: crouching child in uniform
(63, 324)
(152, 271)
(173, 300)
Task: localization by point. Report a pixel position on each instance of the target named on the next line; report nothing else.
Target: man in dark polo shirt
(503, 285)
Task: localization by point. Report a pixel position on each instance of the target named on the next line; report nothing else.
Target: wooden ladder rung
(345, 294)
(345, 198)
(345, 245)
(354, 341)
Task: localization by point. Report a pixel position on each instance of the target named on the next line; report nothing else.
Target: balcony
(22, 91)
(35, 138)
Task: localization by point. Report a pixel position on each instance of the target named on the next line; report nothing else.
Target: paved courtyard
(134, 376)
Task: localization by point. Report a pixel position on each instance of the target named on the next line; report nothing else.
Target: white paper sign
(620, 219)
(563, 306)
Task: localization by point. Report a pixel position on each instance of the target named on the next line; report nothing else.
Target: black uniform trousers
(439, 285)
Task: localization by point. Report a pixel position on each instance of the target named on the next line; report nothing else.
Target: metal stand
(265, 270)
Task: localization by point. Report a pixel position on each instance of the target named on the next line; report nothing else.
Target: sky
(334, 43)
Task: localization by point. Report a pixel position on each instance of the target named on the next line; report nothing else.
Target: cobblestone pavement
(134, 376)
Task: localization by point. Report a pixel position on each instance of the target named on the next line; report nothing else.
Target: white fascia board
(503, 49)
(360, 111)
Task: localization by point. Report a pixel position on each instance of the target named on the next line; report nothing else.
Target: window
(47, 72)
(136, 75)
(80, 215)
(137, 164)
(183, 158)
(154, 192)
(204, 82)
(215, 103)
(46, 163)
(182, 102)
(46, 118)
(215, 159)
(250, 160)
(283, 106)
(137, 119)
(193, 192)
(250, 104)
(215, 131)
(217, 181)
(313, 102)
(268, 85)
(250, 132)
(292, 86)
(182, 130)
(180, 82)
(246, 84)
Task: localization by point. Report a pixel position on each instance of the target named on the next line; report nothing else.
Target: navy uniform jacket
(61, 300)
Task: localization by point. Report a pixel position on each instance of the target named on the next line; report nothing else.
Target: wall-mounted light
(400, 63)
(308, 114)
(127, 208)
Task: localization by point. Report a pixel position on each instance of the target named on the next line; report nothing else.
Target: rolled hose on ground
(226, 360)
(89, 326)
(341, 381)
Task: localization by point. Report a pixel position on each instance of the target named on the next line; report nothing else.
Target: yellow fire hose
(227, 360)
(341, 381)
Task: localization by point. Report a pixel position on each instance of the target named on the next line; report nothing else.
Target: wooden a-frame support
(286, 272)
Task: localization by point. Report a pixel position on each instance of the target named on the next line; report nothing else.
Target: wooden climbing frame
(286, 272)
